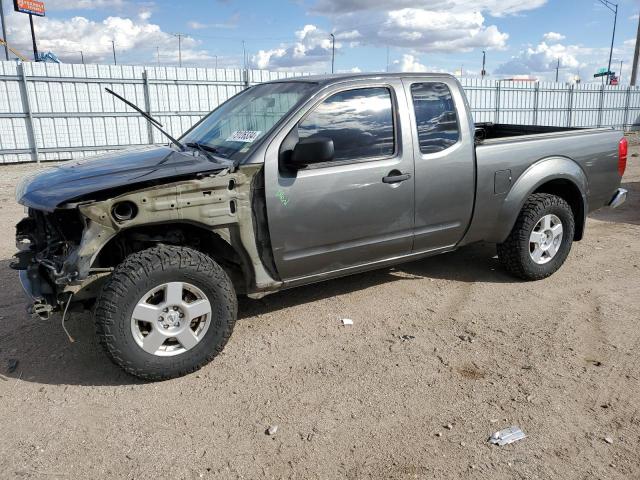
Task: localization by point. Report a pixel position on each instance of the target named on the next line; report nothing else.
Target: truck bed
(490, 131)
(594, 151)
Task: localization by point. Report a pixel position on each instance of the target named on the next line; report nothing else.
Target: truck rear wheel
(541, 239)
(165, 312)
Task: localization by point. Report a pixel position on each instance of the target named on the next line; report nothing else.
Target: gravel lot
(481, 352)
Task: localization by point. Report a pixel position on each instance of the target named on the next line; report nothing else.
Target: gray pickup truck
(294, 182)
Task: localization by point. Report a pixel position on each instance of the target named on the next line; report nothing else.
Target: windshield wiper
(206, 150)
(151, 120)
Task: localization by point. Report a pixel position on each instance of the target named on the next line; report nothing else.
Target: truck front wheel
(165, 312)
(540, 240)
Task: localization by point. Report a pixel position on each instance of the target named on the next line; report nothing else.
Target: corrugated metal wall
(67, 113)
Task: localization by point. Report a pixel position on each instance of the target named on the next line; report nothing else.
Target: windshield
(232, 129)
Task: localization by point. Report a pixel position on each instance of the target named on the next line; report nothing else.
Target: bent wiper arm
(151, 120)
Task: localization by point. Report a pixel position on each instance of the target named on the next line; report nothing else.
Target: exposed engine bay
(71, 250)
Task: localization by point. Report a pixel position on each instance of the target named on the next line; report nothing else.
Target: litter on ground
(507, 436)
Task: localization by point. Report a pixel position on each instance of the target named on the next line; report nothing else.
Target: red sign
(32, 7)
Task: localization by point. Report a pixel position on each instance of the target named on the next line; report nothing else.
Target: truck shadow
(45, 355)
(629, 212)
(38, 351)
(474, 263)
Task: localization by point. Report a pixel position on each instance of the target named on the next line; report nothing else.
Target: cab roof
(328, 79)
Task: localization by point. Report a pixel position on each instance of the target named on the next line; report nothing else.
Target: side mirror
(311, 150)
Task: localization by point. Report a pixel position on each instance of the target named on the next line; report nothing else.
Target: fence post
(26, 106)
(570, 107)
(535, 103)
(600, 106)
(497, 112)
(245, 74)
(626, 108)
(147, 102)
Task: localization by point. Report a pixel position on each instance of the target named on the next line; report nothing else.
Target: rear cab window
(436, 117)
(359, 121)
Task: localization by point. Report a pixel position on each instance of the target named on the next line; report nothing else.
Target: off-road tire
(141, 272)
(514, 251)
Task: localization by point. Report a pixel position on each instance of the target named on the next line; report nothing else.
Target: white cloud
(542, 58)
(433, 26)
(312, 50)
(493, 7)
(144, 15)
(197, 25)
(232, 22)
(409, 63)
(135, 39)
(351, 70)
(575, 60)
(553, 37)
(436, 31)
(83, 4)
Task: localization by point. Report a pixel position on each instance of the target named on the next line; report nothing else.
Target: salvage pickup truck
(294, 182)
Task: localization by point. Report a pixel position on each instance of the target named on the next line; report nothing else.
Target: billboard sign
(32, 7)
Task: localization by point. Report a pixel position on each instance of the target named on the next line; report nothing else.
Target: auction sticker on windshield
(246, 136)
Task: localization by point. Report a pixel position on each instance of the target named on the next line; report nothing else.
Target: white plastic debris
(507, 436)
(272, 430)
(347, 321)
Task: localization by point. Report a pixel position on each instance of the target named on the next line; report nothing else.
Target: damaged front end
(65, 255)
(46, 241)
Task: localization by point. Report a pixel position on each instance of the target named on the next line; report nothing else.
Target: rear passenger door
(444, 162)
(356, 209)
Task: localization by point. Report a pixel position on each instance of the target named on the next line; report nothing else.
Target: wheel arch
(559, 176)
(218, 243)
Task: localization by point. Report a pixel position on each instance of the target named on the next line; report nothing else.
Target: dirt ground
(481, 352)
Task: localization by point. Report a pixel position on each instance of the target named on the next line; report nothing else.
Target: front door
(356, 209)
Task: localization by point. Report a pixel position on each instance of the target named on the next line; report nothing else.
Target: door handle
(396, 177)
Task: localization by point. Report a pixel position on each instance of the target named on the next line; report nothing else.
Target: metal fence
(56, 112)
(553, 104)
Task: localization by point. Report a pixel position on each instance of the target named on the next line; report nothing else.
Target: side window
(360, 123)
(435, 115)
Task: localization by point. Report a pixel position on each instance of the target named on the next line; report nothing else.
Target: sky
(521, 38)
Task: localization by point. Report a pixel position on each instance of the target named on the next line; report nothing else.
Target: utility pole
(158, 54)
(113, 47)
(244, 56)
(179, 35)
(33, 39)
(634, 71)
(216, 59)
(614, 8)
(620, 73)
(81, 53)
(484, 60)
(333, 51)
(557, 69)
(4, 32)
(387, 58)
